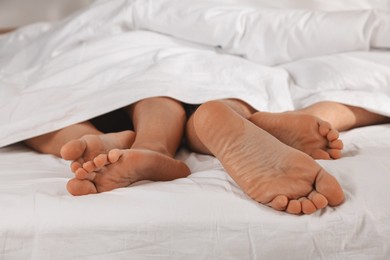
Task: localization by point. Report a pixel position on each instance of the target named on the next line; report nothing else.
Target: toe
(89, 166)
(81, 174)
(332, 135)
(335, 153)
(75, 165)
(100, 160)
(91, 176)
(318, 200)
(336, 144)
(114, 155)
(308, 206)
(294, 207)
(279, 203)
(81, 187)
(324, 128)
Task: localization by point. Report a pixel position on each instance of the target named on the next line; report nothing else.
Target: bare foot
(120, 168)
(267, 170)
(85, 149)
(304, 132)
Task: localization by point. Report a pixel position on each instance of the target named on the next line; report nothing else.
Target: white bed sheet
(204, 216)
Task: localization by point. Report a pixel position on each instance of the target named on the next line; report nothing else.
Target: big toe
(73, 150)
(328, 186)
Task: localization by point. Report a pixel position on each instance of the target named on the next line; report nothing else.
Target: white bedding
(119, 51)
(204, 216)
(98, 60)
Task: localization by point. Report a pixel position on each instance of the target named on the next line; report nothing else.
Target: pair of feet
(274, 167)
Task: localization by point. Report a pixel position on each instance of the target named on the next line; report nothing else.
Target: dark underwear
(190, 108)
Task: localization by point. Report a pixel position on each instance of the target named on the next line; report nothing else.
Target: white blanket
(276, 59)
(97, 60)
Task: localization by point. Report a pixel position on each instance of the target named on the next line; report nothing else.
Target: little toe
(75, 165)
(78, 187)
(294, 207)
(308, 206)
(279, 203)
(73, 150)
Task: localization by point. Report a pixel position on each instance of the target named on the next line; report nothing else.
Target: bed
(116, 52)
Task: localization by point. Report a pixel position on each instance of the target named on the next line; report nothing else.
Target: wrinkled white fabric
(203, 216)
(276, 55)
(117, 52)
(265, 35)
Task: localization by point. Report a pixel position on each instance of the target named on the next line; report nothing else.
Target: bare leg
(80, 143)
(52, 143)
(159, 125)
(344, 117)
(267, 170)
(315, 126)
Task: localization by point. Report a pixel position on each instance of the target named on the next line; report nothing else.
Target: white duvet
(269, 54)
(119, 51)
